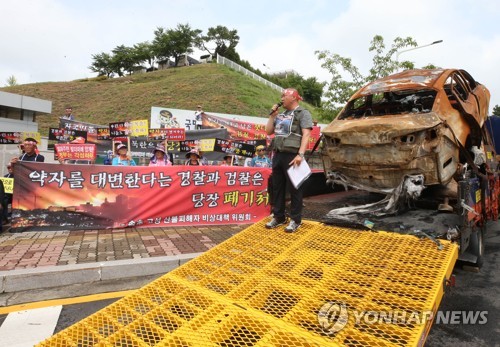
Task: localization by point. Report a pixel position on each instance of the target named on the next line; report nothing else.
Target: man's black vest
(290, 143)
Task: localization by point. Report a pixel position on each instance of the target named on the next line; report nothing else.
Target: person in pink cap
(291, 129)
(160, 157)
(123, 158)
(193, 158)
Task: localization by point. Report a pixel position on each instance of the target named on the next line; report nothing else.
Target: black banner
(233, 147)
(10, 138)
(119, 129)
(66, 135)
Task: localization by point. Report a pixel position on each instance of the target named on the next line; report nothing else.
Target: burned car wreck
(408, 131)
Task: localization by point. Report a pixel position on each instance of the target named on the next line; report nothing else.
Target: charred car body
(409, 123)
(413, 130)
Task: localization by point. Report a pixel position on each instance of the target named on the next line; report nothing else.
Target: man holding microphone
(292, 130)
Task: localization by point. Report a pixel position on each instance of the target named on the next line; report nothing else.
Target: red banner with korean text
(56, 196)
(238, 130)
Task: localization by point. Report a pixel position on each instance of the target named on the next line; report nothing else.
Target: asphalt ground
(476, 291)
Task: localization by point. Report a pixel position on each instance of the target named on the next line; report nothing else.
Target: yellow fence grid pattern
(265, 288)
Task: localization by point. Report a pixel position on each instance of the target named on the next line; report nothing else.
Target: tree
(123, 60)
(312, 91)
(340, 90)
(383, 65)
(225, 41)
(11, 81)
(496, 111)
(229, 53)
(102, 64)
(161, 44)
(144, 52)
(173, 43)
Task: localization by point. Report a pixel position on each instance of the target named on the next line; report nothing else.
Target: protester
(160, 157)
(8, 196)
(109, 158)
(193, 158)
(198, 117)
(116, 144)
(68, 113)
(237, 160)
(30, 152)
(260, 159)
(203, 159)
(247, 162)
(292, 130)
(2, 207)
(228, 160)
(123, 158)
(10, 171)
(7, 200)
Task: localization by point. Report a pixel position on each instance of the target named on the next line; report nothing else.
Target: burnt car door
(459, 90)
(480, 93)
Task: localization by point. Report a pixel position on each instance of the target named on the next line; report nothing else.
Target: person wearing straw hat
(160, 157)
(193, 158)
(123, 158)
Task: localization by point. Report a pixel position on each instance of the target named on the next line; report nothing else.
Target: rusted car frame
(413, 122)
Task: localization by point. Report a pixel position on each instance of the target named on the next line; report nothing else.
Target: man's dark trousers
(280, 180)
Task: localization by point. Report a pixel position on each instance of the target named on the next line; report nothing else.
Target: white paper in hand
(298, 174)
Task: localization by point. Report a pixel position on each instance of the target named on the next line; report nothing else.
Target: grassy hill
(101, 101)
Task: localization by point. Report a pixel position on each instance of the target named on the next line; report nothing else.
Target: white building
(18, 114)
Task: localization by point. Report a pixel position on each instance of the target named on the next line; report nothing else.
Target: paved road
(476, 291)
(473, 292)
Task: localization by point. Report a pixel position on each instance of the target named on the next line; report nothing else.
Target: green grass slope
(102, 101)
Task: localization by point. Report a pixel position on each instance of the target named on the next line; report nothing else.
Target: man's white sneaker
(292, 227)
(275, 223)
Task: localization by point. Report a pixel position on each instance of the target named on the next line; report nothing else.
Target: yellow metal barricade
(320, 286)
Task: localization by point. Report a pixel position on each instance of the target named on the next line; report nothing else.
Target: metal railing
(237, 67)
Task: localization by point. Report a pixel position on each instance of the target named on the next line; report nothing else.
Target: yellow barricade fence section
(320, 286)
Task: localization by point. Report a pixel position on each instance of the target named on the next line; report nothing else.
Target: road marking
(67, 301)
(28, 327)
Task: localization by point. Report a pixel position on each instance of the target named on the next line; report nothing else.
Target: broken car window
(390, 103)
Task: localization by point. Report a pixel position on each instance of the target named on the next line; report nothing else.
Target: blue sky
(53, 40)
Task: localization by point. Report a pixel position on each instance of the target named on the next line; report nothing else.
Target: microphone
(278, 105)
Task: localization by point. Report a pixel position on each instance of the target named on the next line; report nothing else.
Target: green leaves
(346, 77)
